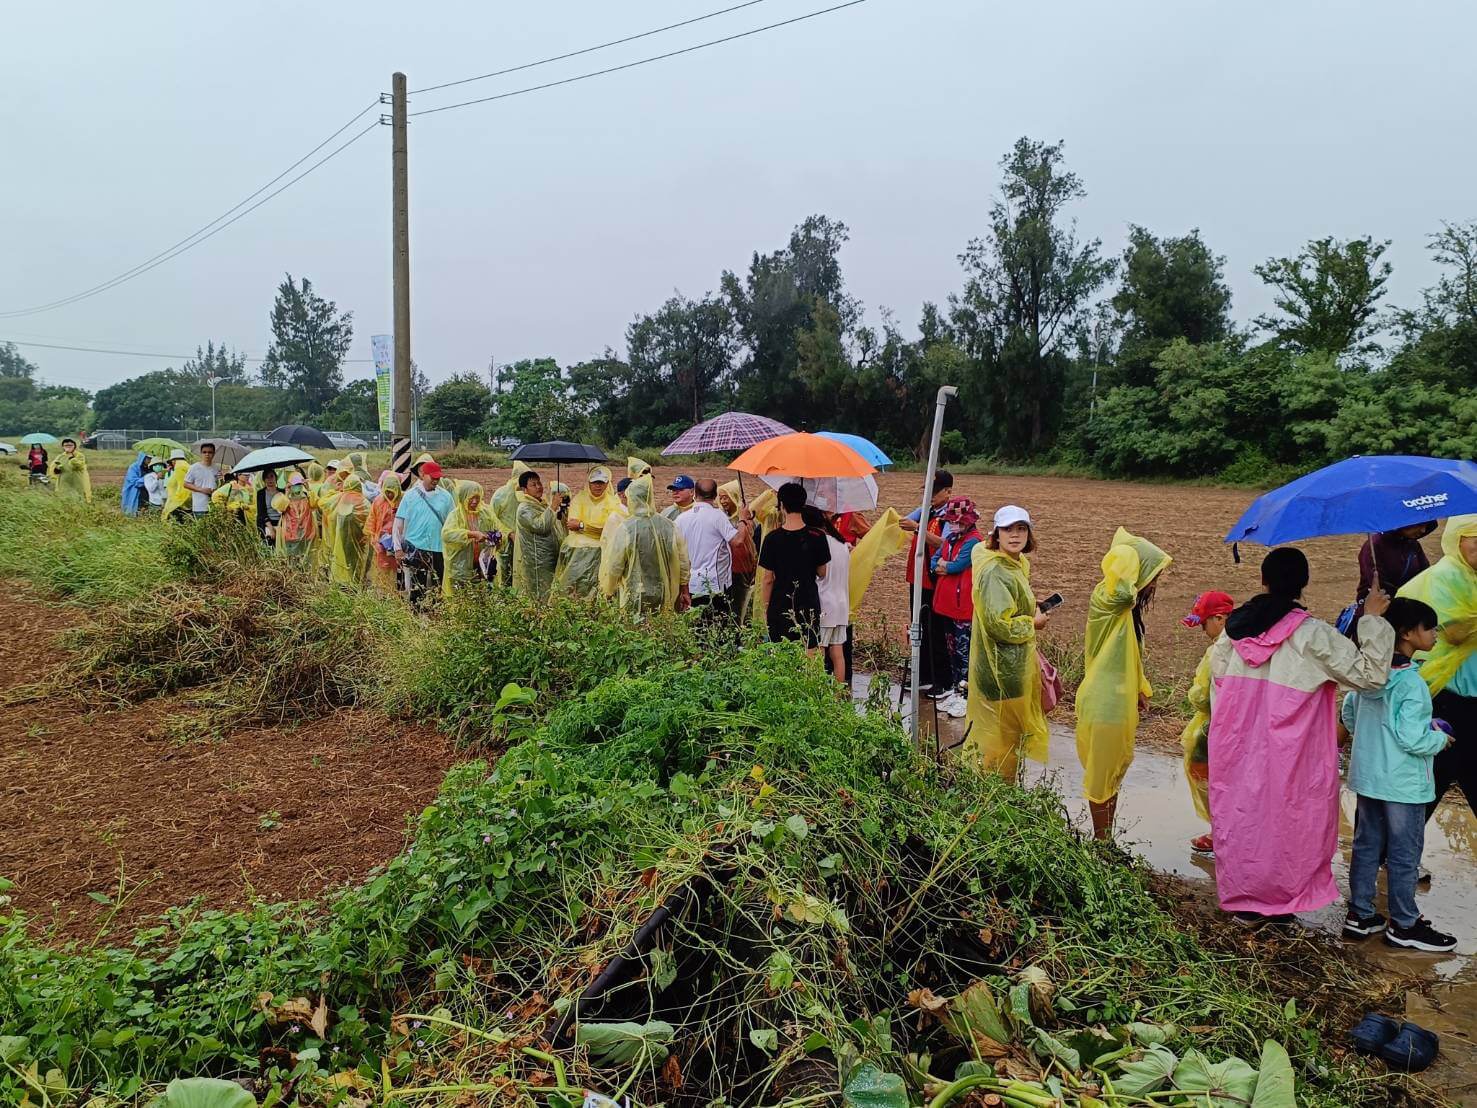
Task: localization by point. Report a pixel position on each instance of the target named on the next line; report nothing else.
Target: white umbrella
(832, 494)
(272, 457)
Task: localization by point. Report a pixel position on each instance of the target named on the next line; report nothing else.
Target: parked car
(345, 441)
(505, 442)
(6, 448)
(106, 440)
(254, 442)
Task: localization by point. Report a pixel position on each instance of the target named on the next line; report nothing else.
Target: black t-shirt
(794, 556)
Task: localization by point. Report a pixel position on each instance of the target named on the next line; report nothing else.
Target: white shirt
(835, 586)
(202, 476)
(707, 532)
(154, 485)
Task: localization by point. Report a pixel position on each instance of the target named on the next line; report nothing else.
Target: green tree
(683, 354)
(310, 338)
(12, 364)
(605, 387)
(458, 405)
(1172, 288)
(1029, 283)
(775, 303)
(355, 408)
(534, 403)
(1328, 295)
(212, 361)
(167, 399)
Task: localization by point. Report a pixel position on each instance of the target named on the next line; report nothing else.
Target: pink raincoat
(1274, 762)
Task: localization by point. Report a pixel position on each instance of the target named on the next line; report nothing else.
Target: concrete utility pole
(400, 204)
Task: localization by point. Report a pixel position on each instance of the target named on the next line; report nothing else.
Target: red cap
(1208, 605)
(430, 469)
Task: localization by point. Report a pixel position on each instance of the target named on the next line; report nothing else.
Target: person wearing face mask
(156, 482)
(1003, 708)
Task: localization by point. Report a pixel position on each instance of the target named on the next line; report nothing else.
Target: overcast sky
(542, 224)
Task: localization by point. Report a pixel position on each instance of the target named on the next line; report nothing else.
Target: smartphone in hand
(1055, 600)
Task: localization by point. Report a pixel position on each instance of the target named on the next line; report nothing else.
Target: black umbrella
(558, 452)
(295, 434)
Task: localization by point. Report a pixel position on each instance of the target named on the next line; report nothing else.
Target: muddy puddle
(1156, 820)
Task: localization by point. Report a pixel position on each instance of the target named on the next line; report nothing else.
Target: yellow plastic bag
(885, 539)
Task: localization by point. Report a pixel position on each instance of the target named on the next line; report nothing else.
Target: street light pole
(213, 382)
(925, 511)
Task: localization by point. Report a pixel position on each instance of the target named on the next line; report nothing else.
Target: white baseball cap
(1011, 514)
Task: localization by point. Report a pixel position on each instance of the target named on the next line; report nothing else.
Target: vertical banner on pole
(382, 349)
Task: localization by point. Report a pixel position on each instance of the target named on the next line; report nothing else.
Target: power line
(586, 50)
(148, 353)
(196, 238)
(640, 62)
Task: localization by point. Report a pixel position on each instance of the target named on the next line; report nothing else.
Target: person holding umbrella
(37, 462)
(201, 480)
(297, 522)
(70, 472)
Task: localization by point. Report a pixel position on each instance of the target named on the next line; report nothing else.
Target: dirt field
(98, 800)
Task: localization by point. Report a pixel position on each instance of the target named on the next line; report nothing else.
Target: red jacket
(953, 593)
(935, 526)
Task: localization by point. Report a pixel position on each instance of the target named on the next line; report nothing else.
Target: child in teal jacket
(1395, 742)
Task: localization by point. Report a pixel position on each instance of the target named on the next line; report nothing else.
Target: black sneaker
(1420, 936)
(1360, 927)
(1424, 877)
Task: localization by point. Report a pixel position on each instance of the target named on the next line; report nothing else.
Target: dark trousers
(425, 572)
(933, 664)
(713, 607)
(1457, 764)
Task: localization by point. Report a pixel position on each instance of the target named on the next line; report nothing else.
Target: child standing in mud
(1209, 614)
(1395, 743)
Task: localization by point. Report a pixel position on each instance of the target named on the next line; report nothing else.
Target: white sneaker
(954, 707)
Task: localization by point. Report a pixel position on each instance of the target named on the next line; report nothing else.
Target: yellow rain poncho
(358, 465)
(536, 546)
(730, 496)
(1004, 713)
(297, 529)
(176, 497)
(69, 471)
(1192, 738)
(460, 545)
(1450, 586)
(504, 504)
(237, 499)
(635, 467)
(766, 510)
(885, 539)
(328, 494)
(1108, 698)
(350, 543)
(645, 565)
(579, 558)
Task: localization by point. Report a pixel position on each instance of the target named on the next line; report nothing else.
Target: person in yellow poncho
(328, 494)
(645, 565)
(745, 549)
(635, 467)
(350, 543)
(177, 498)
(1209, 614)
(69, 471)
(462, 539)
(1450, 670)
(504, 503)
(1114, 687)
(1005, 718)
(297, 523)
(590, 509)
(537, 536)
(237, 498)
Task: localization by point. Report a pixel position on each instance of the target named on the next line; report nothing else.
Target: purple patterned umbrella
(730, 431)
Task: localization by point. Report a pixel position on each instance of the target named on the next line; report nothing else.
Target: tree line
(1129, 365)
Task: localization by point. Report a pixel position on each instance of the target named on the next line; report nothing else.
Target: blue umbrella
(1360, 496)
(868, 449)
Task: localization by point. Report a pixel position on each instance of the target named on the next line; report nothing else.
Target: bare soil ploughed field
(97, 796)
(1075, 520)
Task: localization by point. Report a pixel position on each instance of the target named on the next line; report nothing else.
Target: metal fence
(110, 439)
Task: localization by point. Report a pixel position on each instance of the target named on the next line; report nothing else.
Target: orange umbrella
(803, 455)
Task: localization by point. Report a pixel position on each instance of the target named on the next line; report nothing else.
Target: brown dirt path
(89, 793)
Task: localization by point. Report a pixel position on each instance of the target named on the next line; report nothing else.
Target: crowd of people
(1261, 752)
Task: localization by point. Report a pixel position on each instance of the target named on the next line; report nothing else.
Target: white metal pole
(915, 632)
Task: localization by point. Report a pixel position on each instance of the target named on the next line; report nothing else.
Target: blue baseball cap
(682, 482)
